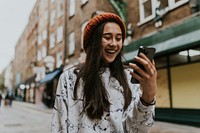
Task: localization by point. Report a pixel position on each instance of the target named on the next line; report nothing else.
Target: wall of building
(163, 95)
(186, 86)
(174, 16)
(176, 88)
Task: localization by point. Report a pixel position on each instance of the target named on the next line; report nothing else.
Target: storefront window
(181, 57)
(161, 62)
(194, 54)
(177, 59)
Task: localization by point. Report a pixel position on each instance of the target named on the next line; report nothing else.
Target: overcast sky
(14, 16)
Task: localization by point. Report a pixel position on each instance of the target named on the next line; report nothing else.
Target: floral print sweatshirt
(67, 117)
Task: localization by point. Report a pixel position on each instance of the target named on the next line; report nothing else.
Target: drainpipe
(65, 32)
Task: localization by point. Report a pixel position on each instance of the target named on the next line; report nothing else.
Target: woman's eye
(107, 37)
(118, 38)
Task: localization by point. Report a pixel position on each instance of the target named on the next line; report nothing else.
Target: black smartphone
(149, 52)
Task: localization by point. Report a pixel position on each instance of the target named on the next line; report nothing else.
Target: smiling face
(111, 42)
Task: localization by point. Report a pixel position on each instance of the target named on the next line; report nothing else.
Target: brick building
(171, 26)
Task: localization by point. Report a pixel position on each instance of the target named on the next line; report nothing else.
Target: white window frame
(39, 55)
(172, 5)
(71, 43)
(52, 1)
(59, 34)
(45, 15)
(44, 34)
(52, 40)
(142, 14)
(59, 59)
(52, 19)
(59, 9)
(44, 51)
(39, 40)
(72, 8)
(84, 1)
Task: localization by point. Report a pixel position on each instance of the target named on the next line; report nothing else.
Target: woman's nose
(113, 42)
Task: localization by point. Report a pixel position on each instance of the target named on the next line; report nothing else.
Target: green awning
(180, 42)
(182, 36)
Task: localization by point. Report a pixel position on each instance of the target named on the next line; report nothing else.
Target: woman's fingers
(148, 65)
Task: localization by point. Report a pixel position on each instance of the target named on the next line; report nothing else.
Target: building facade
(172, 27)
(52, 42)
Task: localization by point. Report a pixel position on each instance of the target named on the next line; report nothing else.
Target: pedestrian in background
(7, 100)
(97, 96)
(11, 98)
(0, 99)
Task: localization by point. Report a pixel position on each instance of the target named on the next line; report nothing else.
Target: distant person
(98, 96)
(11, 98)
(0, 99)
(7, 100)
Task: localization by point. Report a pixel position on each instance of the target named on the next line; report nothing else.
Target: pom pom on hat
(96, 21)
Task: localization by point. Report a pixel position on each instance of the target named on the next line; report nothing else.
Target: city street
(29, 118)
(25, 118)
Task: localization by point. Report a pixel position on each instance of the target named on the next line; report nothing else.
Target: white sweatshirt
(137, 118)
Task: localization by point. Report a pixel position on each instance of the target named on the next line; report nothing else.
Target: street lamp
(22, 86)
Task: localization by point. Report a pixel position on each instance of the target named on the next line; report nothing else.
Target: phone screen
(149, 52)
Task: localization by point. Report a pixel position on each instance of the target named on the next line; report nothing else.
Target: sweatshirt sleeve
(139, 118)
(60, 109)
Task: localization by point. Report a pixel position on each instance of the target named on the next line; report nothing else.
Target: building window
(46, 15)
(183, 57)
(82, 29)
(71, 43)
(192, 54)
(52, 40)
(72, 8)
(59, 34)
(39, 39)
(44, 51)
(39, 55)
(59, 9)
(18, 78)
(148, 8)
(176, 3)
(161, 62)
(44, 35)
(177, 59)
(58, 59)
(84, 2)
(52, 19)
(52, 1)
(163, 4)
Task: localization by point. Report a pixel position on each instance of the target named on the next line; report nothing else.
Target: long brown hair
(95, 97)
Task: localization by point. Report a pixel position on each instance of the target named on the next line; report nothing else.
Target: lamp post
(23, 88)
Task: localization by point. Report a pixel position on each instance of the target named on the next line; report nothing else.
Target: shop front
(46, 90)
(177, 61)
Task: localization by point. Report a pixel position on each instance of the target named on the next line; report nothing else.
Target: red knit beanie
(96, 21)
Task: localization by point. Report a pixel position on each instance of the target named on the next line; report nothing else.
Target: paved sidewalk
(164, 127)
(45, 114)
(25, 118)
(24, 105)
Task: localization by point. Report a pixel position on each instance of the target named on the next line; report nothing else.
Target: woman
(97, 96)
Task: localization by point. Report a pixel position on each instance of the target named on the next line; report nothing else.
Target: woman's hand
(147, 79)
